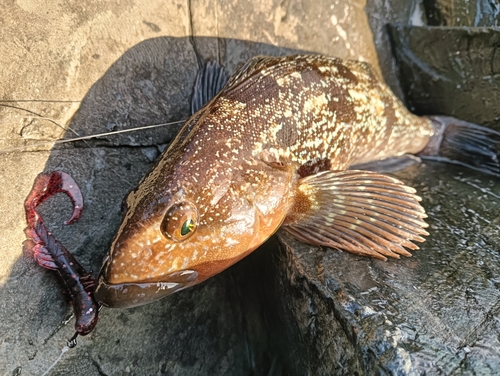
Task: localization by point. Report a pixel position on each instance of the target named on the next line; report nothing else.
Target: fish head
(187, 221)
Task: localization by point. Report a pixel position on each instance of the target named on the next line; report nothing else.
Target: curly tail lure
(51, 254)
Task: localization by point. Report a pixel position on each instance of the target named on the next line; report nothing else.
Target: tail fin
(464, 143)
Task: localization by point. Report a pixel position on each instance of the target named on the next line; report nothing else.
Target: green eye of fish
(180, 221)
(187, 227)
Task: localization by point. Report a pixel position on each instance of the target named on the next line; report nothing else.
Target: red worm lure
(51, 254)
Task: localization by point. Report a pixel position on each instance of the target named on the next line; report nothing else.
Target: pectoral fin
(361, 212)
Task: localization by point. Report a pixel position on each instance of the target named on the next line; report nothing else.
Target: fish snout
(133, 294)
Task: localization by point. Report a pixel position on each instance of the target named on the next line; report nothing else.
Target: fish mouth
(133, 294)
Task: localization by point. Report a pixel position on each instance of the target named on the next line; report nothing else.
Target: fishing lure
(51, 254)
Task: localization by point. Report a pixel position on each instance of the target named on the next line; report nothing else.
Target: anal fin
(361, 212)
(391, 164)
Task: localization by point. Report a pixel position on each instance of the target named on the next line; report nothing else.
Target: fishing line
(84, 138)
(70, 344)
(37, 116)
(63, 351)
(116, 132)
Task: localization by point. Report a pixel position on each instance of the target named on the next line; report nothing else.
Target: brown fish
(271, 150)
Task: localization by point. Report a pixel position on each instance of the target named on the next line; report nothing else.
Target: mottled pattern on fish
(311, 108)
(314, 107)
(236, 164)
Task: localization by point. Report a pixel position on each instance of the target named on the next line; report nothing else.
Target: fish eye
(180, 221)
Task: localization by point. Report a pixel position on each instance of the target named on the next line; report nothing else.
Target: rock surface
(381, 13)
(462, 12)
(434, 313)
(452, 71)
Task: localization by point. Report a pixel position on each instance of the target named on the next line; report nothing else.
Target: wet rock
(434, 313)
(450, 71)
(462, 12)
(381, 13)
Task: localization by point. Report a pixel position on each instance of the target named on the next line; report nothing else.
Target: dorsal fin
(210, 80)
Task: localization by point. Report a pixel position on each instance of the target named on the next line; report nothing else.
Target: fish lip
(134, 294)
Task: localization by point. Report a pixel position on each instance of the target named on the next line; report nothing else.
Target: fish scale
(312, 107)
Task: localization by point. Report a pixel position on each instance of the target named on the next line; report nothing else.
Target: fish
(275, 149)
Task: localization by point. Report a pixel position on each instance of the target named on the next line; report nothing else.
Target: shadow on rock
(215, 328)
